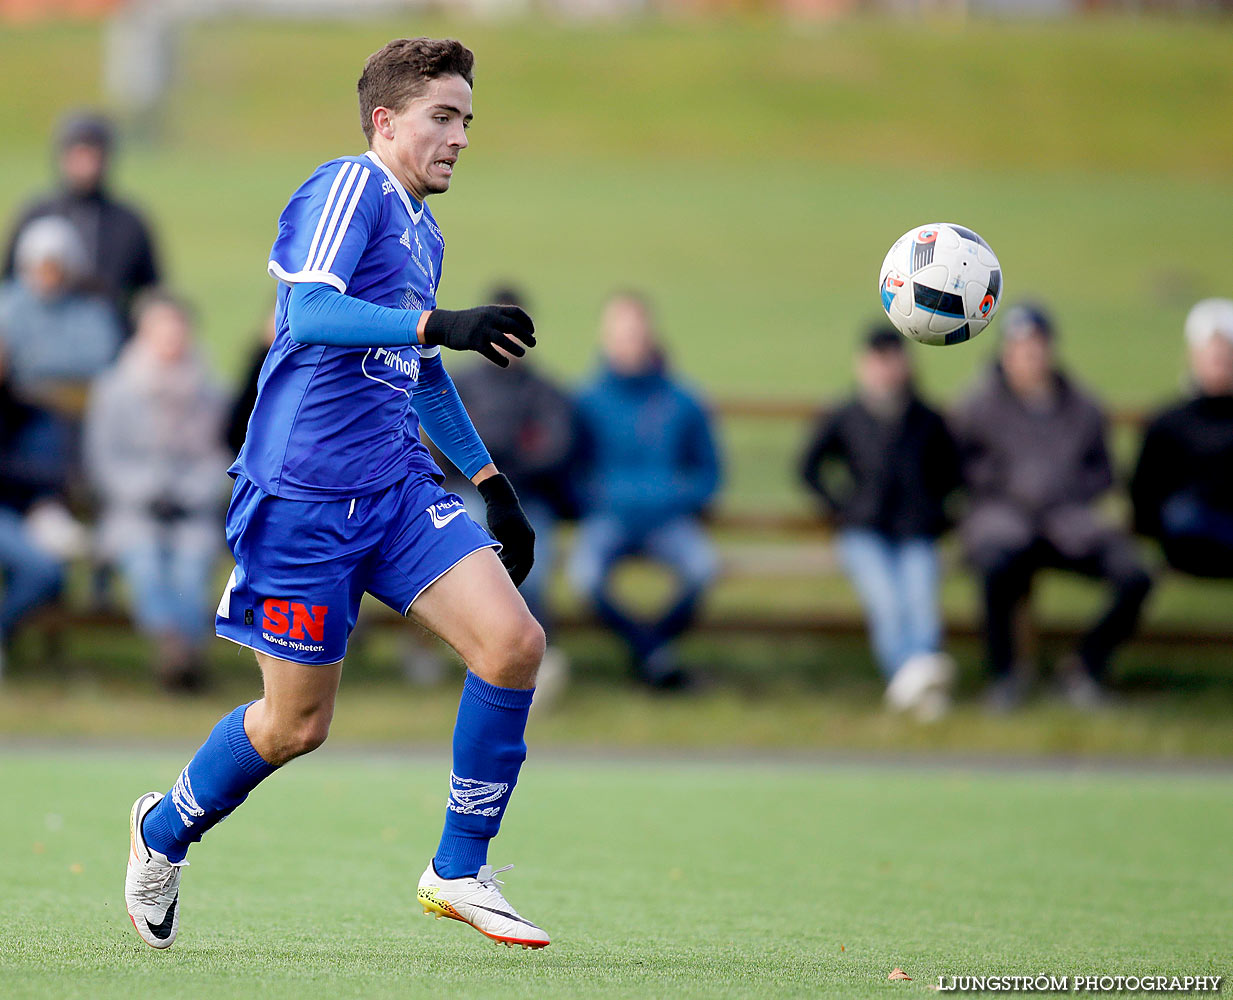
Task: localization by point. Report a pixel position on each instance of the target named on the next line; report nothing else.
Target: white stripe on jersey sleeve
(352, 172)
(276, 270)
(329, 200)
(346, 220)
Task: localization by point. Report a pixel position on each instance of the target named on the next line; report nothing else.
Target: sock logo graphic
(183, 799)
(470, 797)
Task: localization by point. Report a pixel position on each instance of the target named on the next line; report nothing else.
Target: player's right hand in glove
(482, 330)
(509, 526)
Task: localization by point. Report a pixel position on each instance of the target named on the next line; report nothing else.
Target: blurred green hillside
(750, 174)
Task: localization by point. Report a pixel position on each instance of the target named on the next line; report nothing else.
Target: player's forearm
(319, 314)
(447, 423)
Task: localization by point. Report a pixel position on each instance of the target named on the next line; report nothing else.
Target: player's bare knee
(310, 734)
(282, 740)
(513, 655)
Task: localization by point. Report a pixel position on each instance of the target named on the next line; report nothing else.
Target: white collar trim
(402, 191)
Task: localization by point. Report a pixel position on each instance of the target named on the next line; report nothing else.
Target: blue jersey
(334, 422)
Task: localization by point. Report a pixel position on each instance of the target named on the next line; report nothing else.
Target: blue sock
(218, 778)
(488, 752)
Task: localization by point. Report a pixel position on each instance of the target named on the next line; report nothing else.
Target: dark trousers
(1197, 537)
(1008, 578)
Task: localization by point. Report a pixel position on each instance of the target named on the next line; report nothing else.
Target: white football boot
(478, 901)
(152, 884)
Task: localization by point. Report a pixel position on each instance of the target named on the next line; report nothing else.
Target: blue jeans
(897, 580)
(31, 576)
(680, 544)
(534, 588)
(172, 587)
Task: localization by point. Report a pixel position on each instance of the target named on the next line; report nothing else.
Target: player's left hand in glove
(509, 526)
(482, 330)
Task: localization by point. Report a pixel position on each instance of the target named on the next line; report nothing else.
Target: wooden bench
(755, 544)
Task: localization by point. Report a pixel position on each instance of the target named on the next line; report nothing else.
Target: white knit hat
(51, 238)
(1209, 318)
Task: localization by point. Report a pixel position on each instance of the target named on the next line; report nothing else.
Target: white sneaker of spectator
(922, 686)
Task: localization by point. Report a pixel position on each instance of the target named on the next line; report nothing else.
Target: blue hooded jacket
(648, 453)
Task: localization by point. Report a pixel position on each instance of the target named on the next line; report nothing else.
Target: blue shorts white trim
(302, 567)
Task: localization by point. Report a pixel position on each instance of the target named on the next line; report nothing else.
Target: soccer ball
(940, 284)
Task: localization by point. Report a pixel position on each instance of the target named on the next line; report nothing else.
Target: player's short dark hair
(398, 72)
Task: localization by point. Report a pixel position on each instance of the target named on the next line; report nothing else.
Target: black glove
(509, 526)
(482, 329)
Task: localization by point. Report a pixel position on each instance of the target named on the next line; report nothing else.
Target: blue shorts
(301, 567)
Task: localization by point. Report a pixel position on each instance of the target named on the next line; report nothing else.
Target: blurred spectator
(57, 338)
(155, 453)
(883, 464)
(242, 407)
(527, 424)
(32, 574)
(648, 466)
(1035, 462)
(118, 252)
(1183, 484)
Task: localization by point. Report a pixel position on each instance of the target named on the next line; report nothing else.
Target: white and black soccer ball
(940, 284)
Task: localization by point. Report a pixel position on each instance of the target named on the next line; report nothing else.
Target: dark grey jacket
(898, 470)
(528, 426)
(1032, 473)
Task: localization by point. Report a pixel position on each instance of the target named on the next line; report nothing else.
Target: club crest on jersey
(411, 298)
(471, 797)
(445, 511)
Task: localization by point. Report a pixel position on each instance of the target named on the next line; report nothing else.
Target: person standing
(120, 257)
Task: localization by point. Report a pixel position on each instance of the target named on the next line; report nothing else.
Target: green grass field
(656, 878)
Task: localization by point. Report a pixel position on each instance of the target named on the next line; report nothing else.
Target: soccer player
(335, 496)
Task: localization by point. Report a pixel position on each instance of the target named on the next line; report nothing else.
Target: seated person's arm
(825, 444)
